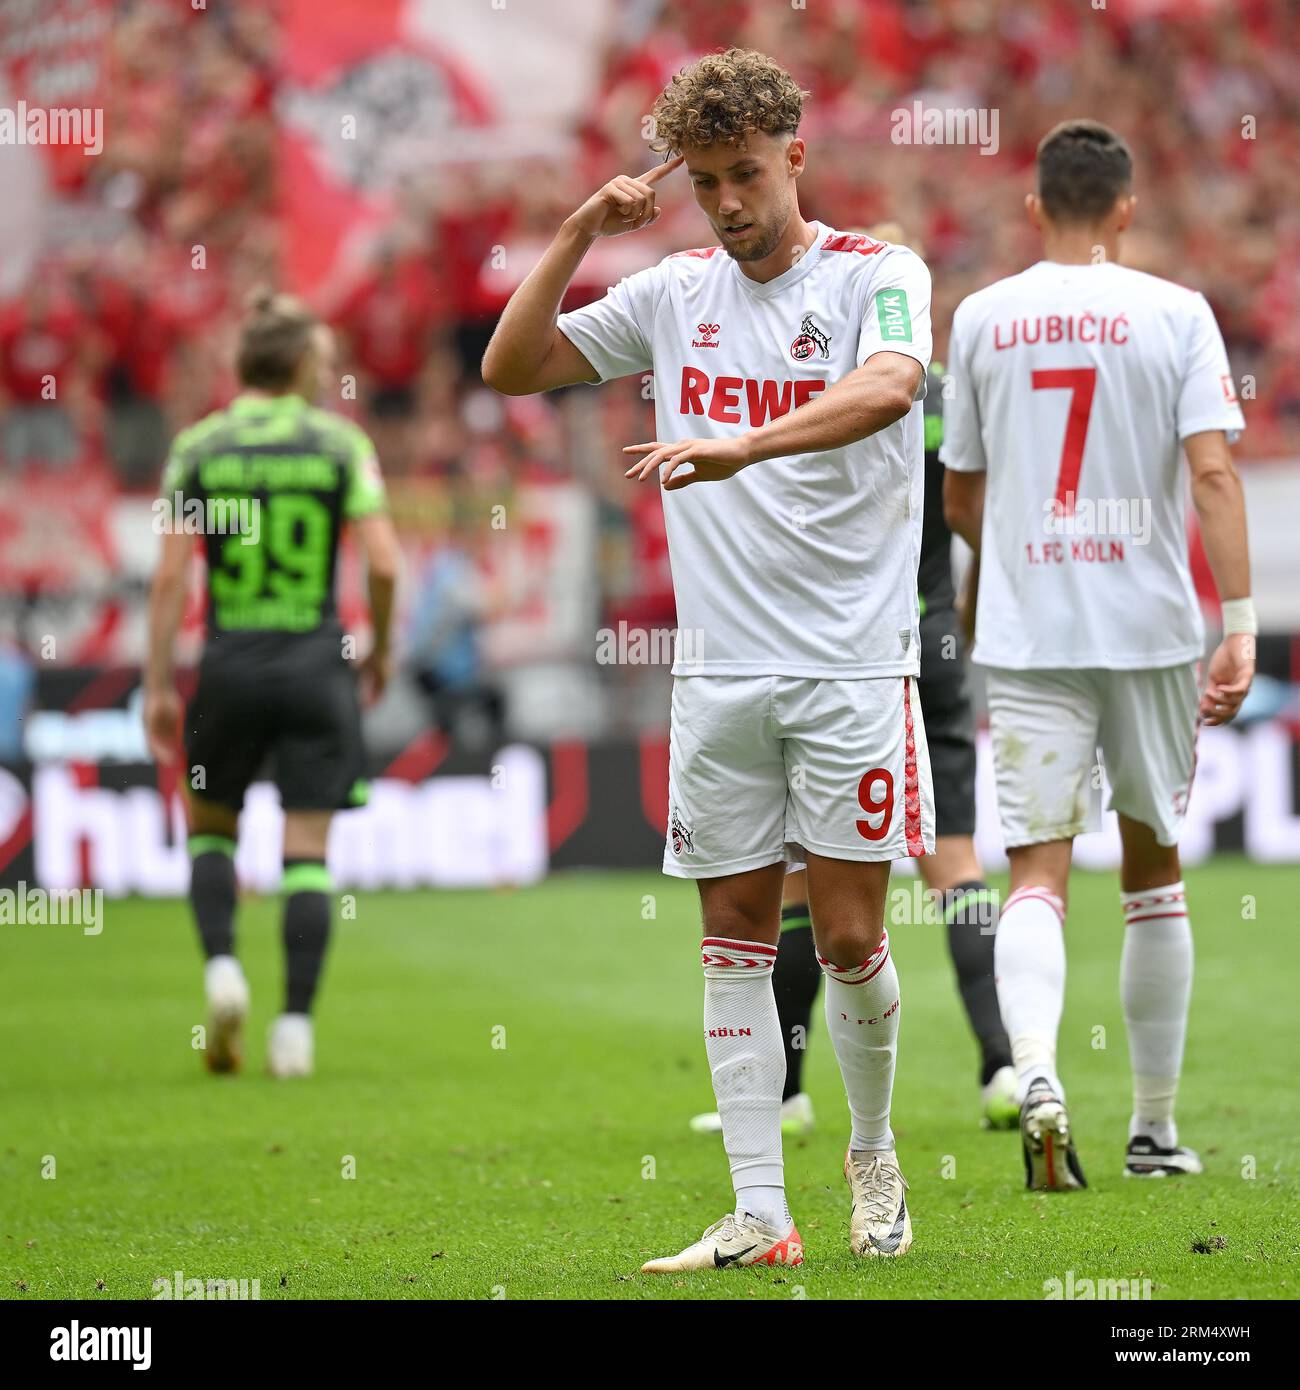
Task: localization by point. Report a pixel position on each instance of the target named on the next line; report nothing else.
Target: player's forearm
(969, 526)
(963, 506)
(1221, 509)
(381, 585)
(166, 606)
(862, 404)
(523, 336)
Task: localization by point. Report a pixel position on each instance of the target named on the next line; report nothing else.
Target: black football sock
(212, 892)
(795, 980)
(971, 912)
(306, 888)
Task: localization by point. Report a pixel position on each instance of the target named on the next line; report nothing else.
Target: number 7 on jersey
(1081, 382)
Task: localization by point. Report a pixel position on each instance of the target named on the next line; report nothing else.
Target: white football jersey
(1073, 386)
(803, 565)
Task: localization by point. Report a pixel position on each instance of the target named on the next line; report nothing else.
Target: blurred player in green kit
(275, 480)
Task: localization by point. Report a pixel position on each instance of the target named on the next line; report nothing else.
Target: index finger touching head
(660, 170)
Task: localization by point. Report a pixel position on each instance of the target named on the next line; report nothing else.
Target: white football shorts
(767, 768)
(1047, 730)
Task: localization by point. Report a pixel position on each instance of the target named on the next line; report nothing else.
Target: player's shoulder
(691, 264)
(863, 259)
(856, 248)
(1155, 289)
(990, 298)
(202, 433)
(336, 433)
(692, 253)
(645, 287)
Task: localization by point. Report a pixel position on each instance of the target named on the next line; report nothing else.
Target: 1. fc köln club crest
(683, 836)
(811, 339)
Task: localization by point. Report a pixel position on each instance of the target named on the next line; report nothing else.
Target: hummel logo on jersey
(708, 335)
(809, 340)
(683, 836)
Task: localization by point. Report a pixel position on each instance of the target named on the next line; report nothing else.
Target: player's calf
(742, 1037)
(306, 888)
(1155, 989)
(862, 1009)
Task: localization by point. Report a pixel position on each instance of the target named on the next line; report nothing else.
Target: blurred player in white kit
(1077, 385)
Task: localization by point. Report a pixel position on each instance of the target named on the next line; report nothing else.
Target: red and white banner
(375, 94)
(52, 55)
(364, 101)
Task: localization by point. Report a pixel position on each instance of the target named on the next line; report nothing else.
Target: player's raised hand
(625, 204)
(1232, 668)
(709, 460)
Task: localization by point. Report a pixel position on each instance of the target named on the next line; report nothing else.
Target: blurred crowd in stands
(137, 332)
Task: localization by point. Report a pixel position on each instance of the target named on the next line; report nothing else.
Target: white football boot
(227, 991)
(735, 1240)
(999, 1108)
(878, 1223)
(291, 1047)
(796, 1118)
(1051, 1163)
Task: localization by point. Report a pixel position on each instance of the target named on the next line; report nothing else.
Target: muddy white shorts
(765, 768)
(1051, 730)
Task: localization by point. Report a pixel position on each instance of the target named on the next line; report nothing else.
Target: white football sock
(1029, 964)
(1155, 987)
(742, 1035)
(862, 1008)
(768, 1204)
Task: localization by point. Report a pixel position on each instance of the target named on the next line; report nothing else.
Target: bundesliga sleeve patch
(895, 317)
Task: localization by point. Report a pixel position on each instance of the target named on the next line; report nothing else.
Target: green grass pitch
(509, 1076)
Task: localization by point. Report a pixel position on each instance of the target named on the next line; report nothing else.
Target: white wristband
(1239, 616)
